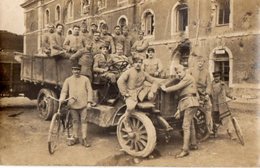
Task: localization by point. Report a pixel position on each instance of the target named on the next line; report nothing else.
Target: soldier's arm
(143, 47)
(54, 44)
(183, 83)
(208, 84)
(227, 90)
(121, 82)
(96, 67)
(112, 43)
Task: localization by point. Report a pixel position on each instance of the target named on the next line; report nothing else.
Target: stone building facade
(225, 32)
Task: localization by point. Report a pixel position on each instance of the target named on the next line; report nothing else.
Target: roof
(28, 2)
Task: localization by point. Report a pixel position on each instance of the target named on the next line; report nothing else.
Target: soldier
(47, 38)
(188, 105)
(79, 87)
(57, 41)
(97, 43)
(74, 42)
(220, 110)
(152, 65)
(84, 31)
(140, 46)
(129, 41)
(202, 78)
(101, 63)
(132, 86)
(107, 38)
(93, 29)
(118, 37)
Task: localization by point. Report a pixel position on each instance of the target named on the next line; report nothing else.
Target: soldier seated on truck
(101, 65)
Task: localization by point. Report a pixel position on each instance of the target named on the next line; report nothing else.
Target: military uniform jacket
(80, 88)
(152, 65)
(109, 41)
(140, 47)
(75, 42)
(132, 82)
(202, 78)
(118, 39)
(101, 62)
(219, 93)
(56, 41)
(128, 43)
(186, 86)
(96, 47)
(46, 40)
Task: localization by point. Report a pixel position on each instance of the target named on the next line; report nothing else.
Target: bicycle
(56, 123)
(235, 124)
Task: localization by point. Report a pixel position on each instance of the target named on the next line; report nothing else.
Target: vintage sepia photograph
(142, 83)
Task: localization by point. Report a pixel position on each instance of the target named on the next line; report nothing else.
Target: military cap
(104, 46)
(50, 26)
(93, 24)
(216, 74)
(76, 66)
(150, 49)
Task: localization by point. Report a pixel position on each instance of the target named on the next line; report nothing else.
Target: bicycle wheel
(68, 124)
(238, 131)
(54, 133)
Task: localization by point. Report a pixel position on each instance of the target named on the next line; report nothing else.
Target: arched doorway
(221, 59)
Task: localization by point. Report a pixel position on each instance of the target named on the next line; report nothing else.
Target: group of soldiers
(96, 49)
(92, 52)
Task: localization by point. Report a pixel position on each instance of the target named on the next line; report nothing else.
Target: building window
(101, 4)
(70, 9)
(182, 17)
(47, 16)
(122, 2)
(223, 12)
(58, 13)
(221, 63)
(122, 21)
(85, 7)
(148, 23)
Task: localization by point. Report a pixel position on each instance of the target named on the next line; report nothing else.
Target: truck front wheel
(46, 106)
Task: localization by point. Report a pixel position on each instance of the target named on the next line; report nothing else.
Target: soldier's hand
(163, 87)
(177, 115)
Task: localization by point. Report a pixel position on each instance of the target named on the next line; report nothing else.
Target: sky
(11, 16)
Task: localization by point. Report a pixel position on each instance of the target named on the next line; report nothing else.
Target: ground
(23, 141)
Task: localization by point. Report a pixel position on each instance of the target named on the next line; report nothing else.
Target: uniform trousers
(79, 116)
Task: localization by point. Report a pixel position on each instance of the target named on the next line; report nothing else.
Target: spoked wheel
(54, 133)
(238, 131)
(46, 106)
(141, 140)
(202, 132)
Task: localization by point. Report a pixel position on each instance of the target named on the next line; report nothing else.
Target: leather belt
(188, 95)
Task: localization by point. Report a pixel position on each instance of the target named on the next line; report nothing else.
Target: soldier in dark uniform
(129, 41)
(220, 110)
(97, 43)
(188, 105)
(107, 38)
(118, 37)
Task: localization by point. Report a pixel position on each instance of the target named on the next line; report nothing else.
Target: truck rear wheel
(46, 106)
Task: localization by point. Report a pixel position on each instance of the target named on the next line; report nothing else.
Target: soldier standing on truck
(57, 40)
(140, 46)
(129, 41)
(84, 31)
(107, 38)
(118, 37)
(79, 87)
(47, 38)
(97, 43)
(188, 104)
